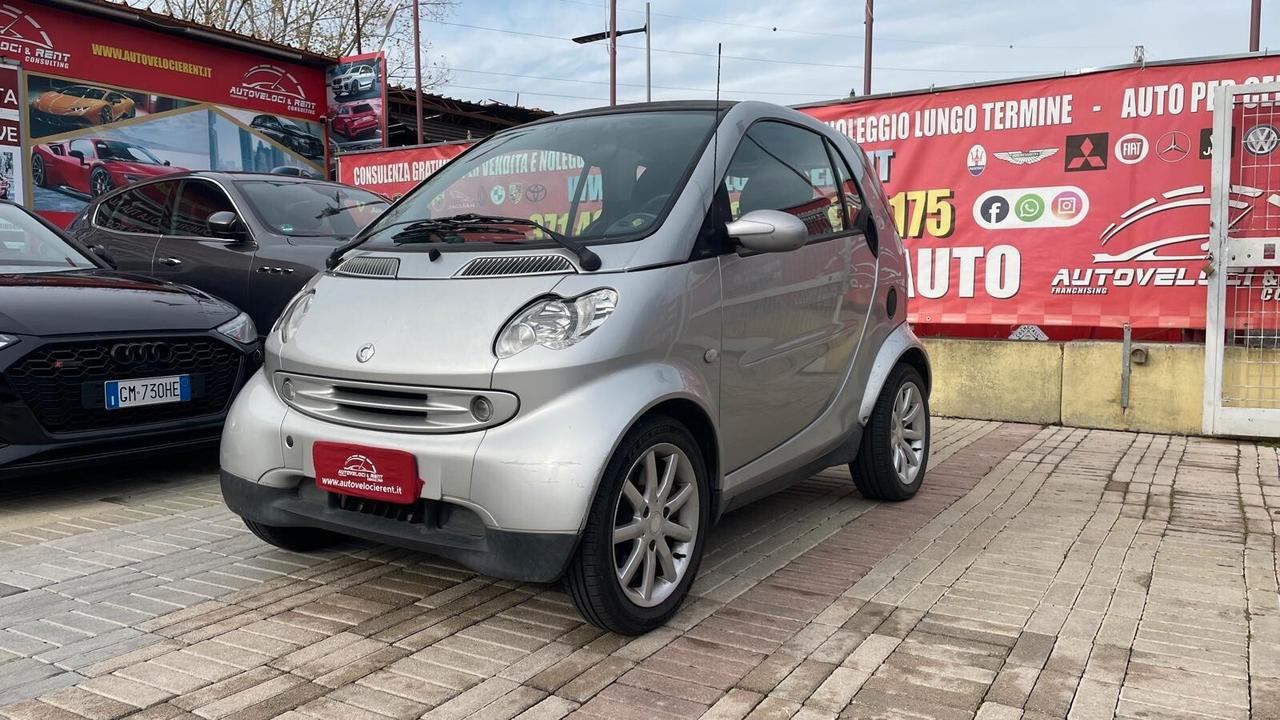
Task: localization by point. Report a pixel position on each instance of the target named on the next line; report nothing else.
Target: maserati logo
(274, 84)
(365, 353)
(22, 35)
(1173, 146)
(1026, 157)
(142, 352)
(1261, 140)
(976, 160)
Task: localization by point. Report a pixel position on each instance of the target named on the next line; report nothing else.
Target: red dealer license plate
(374, 473)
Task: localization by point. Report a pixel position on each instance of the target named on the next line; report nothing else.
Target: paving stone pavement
(1041, 573)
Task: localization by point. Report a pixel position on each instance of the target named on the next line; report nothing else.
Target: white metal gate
(1242, 341)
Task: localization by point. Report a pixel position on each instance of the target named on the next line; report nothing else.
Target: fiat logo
(365, 353)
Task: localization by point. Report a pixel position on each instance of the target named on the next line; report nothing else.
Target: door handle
(170, 261)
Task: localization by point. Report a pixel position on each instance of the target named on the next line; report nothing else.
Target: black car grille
(63, 383)
(411, 513)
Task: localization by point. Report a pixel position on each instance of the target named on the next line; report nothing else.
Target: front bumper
(438, 528)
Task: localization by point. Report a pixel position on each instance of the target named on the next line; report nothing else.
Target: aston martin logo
(1026, 157)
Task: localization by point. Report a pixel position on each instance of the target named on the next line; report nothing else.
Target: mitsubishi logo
(1261, 140)
(141, 352)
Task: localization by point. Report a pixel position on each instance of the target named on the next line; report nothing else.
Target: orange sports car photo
(82, 105)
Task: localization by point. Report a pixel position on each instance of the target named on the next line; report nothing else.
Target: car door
(189, 252)
(129, 223)
(792, 320)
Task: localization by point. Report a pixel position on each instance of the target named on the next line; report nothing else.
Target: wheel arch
(694, 417)
(901, 346)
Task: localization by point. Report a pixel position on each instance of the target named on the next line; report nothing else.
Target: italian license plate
(374, 473)
(147, 391)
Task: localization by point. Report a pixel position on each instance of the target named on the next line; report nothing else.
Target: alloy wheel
(655, 525)
(907, 433)
(100, 183)
(37, 171)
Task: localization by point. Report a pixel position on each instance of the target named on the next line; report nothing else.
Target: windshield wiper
(417, 230)
(331, 210)
(586, 257)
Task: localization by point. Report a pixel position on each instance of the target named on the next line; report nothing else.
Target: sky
(798, 51)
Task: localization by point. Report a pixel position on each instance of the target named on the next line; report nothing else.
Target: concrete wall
(1078, 383)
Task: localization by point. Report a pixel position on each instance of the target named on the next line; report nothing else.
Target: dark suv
(253, 239)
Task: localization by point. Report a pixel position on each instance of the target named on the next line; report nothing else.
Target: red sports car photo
(92, 166)
(355, 119)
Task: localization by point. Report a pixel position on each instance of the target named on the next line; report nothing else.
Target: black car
(97, 363)
(253, 239)
(289, 135)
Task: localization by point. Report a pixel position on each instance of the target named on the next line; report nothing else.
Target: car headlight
(7, 340)
(555, 323)
(241, 329)
(291, 318)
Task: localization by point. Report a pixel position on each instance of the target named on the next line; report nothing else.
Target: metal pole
(1255, 22)
(648, 49)
(417, 69)
(613, 52)
(867, 49)
(359, 31)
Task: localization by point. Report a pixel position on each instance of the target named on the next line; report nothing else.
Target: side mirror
(769, 231)
(226, 224)
(77, 155)
(104, 255)
(166, 163)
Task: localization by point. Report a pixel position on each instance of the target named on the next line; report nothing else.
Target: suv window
(197, 200)
(140, 209)
(783, 167)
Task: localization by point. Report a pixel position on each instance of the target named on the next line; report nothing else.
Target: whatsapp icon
(1029, 208)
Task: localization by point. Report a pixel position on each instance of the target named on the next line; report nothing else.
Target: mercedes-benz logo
(141, 352)
(1173, 146)
(365, 353)
(1261, 140)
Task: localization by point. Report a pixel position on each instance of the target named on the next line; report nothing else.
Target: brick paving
(1040, 573)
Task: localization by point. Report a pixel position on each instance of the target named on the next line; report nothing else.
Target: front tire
(297, 539)
(645, 533)
(100, 182)
(37, 170)
(894, 454)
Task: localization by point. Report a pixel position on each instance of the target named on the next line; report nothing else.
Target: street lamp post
(417, 70)
(612, 34)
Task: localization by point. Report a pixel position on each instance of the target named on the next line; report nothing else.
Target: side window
(850, 193)
(139, 210)
(84, 147)
(197, 200)
(783, 167)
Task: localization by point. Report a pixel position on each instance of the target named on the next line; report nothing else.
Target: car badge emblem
(365, 353)
(1261, 140)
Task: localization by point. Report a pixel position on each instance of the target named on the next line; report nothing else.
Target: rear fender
(895, 348)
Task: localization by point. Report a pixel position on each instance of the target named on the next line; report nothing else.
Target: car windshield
(312, 209)
(84, 92)
(601, 177)
(27, 246)
(114, 150)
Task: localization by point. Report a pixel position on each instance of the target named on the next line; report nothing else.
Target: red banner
(1075, 201)
(59, 43)
(393, 173)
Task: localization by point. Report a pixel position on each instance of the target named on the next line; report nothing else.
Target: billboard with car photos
(110, 104)
(357, 94)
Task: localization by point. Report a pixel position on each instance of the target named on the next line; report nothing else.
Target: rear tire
(644, 537)
(894, 454)
(297, 539)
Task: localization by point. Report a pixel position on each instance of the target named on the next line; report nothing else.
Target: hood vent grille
(370, 266)
(516, 265)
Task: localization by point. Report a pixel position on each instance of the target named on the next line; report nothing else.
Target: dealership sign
(393, 173)
(1071, 201)
(53, 41)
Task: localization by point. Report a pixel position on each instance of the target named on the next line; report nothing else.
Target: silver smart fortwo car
(573, 348)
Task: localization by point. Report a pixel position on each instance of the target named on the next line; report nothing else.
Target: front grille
(370, 266)
(516, 265)
(393, 407)
(63, 383)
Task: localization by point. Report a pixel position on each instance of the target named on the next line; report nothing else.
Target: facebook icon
(994, 209)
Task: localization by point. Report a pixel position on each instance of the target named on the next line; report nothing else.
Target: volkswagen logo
(365, 353)
(1261, 140)
(141, 352)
